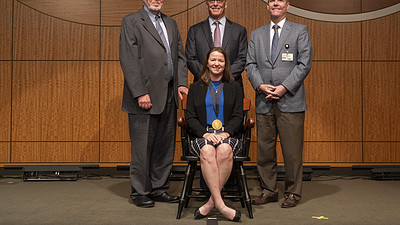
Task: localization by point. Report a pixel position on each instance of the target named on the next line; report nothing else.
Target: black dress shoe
(165, 197)
(237, 217)
(143, 201)
(290, 201)
(198, 215)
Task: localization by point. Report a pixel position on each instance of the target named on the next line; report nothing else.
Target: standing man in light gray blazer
(154, 66)
(280, 100)
(200, 40)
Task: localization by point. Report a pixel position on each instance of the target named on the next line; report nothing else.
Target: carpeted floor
(104, 200)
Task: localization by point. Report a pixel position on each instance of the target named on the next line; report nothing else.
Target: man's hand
(272, 92)
(144, 101)
(182, 91)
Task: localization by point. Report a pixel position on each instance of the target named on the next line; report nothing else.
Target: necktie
(275, 41)
(164, 40)
(217, 35)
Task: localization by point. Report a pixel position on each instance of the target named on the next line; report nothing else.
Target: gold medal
(216, 124)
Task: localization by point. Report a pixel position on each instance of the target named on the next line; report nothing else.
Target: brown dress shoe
(290, 201)
(265, 198)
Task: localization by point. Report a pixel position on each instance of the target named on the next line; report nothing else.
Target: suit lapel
(207, 33)
(282, 38)
(267, 29)
(149, 26)
(170, 27)
(227, 33)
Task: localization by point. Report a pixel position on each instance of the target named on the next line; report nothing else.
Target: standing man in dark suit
(154, 66)
(278, 61)
(202, 37)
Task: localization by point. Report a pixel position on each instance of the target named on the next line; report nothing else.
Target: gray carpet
(326, 200)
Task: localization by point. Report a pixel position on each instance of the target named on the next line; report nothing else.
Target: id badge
(287, 57)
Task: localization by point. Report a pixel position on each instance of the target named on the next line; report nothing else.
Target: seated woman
(214, 115)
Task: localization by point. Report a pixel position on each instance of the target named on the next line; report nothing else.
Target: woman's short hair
(205, 72)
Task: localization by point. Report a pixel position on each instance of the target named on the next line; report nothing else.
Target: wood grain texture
(55, 152)
(326, 152)
(4, 152)
(113, 122)
(110, 43)
(333, 41)
(6, 29)
(5, 101)
(87, 11)
(112, 11)
(55, 101)
(40, 37)
(381, 152)
(371, 5)
(332, 6)
(380, 38)
(116, 152)
(381, 85)
(333, 91)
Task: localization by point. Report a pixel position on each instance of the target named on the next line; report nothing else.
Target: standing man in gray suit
(154, 66)
(217, 31)
(278, 60)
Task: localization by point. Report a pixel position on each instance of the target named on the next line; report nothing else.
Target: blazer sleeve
(129, 51)
(193, 62)
(253, 72)
(182, 65)
(234, 111)
(192, 113)
(237, 66)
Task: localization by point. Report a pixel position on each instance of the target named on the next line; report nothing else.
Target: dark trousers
(152, 149)
(290, 127)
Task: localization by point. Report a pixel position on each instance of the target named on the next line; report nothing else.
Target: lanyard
(216, 97)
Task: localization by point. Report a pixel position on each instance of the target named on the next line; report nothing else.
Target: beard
(153, 8)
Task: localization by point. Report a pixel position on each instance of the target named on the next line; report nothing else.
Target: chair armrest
(249, 124)
(182, 122)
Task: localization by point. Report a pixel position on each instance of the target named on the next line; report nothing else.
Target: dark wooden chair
(238, 171)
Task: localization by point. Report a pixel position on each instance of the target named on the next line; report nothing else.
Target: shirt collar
(221, 21)
(151, 15)
(280, 24)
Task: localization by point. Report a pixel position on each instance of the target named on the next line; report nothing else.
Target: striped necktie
(275, 41)
(164, 40)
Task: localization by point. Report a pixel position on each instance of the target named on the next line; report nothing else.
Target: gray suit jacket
(143, 60)
(261, 69)
(199, 41)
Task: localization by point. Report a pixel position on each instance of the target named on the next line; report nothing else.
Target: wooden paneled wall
(61, 82)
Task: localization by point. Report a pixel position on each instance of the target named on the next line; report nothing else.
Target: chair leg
(239, 183)
(246, 190)
(183, 197)
(192, 172)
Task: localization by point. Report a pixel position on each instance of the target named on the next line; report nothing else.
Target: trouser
(152, 149)
(290, 128)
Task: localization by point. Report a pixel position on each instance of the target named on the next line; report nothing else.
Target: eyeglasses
(277, 1)
(217, 1)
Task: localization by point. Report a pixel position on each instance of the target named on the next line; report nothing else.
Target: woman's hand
(211, 137)
(216, 138)
(224, 135)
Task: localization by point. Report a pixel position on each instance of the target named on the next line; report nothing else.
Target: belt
(210, 129)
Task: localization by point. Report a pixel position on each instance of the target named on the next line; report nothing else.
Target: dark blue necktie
(164, 40)
(275, 41)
